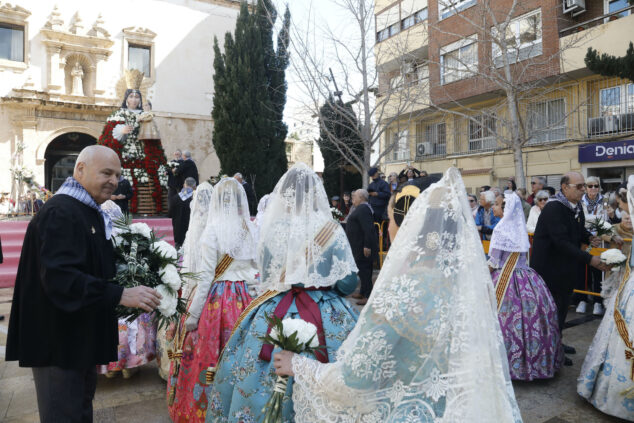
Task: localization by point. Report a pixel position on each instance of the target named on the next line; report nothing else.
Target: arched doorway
(60, 157)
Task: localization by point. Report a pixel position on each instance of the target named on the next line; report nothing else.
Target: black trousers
(365, 275)
(65, 395)
(562, 302)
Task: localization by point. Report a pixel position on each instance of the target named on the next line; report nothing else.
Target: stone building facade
(61, 75)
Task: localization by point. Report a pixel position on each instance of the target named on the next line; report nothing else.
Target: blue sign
(606, 151)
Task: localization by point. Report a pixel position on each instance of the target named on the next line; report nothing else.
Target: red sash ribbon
(308, 311)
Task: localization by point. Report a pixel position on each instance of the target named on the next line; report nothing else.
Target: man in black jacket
(380, 193)
(63, 320)
(122, 194)
(363, 241)
(248, 189)
(557, 255)
(187, 169)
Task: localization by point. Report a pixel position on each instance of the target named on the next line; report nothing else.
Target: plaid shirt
(74, 189)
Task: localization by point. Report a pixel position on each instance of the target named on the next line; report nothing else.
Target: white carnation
(613, 256)
(170, 277)
(141, 229)
(305, 331)
(167, 306)
(165, 249)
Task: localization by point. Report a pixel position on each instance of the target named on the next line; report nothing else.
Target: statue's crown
(133, 79)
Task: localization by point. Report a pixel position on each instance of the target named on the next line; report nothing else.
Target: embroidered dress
(244, 381)
(528, 319)
(606, 374)
(306, 268)
(201, 348)
(226, 269)
(137, 344)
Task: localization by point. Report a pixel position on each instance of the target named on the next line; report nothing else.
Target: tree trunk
(518, 160)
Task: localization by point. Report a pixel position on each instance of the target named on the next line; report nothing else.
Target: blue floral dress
(244, 382)
(605, 379)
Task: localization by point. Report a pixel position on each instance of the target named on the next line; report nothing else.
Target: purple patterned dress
(528, 318)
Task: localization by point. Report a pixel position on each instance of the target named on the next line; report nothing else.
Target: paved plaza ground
(142, 398)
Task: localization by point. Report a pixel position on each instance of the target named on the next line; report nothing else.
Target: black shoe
(569, 350)
(567, 361)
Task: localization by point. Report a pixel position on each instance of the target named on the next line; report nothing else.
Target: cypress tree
(249, 98)
(338, 120)
(608, 65)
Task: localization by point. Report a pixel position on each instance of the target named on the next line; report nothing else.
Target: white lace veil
(510, 232)
(264, 201)
(428, 346)
(229, 227)
(291, 250)
(197, 222)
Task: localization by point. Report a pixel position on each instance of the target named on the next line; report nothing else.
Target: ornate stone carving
(76, 26)
(54, 22)
(97, 29)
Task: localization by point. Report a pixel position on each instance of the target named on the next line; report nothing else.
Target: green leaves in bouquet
(289, 343)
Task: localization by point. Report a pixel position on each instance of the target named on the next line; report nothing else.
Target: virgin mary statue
(141, 162)
(417, 354)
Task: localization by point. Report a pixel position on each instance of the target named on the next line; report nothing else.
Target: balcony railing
(610, 108)
(599, 20)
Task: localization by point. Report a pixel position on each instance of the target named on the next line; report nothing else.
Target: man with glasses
(537, 184)
(557, 255)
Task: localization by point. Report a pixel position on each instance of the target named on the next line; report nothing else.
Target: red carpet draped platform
(12, 235)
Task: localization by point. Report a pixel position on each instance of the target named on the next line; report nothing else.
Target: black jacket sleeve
(62, 254)
(383, 191)
(555, 228)
(366, 222)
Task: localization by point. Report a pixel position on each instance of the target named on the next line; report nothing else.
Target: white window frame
(463, 71)
(550, 131)
(514, 52)
(447, 8)
(606, 10)
(486, 143)
(401, 150)
(439, 143)
(625, 98)
(14, 15)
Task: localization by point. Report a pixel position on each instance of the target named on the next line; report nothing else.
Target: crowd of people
(414, 352)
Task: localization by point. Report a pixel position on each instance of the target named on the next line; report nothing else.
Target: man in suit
(63, 321)
(188, 168)
(181, 211)
(557, 255)
(363, 242)
(174, 181)
(248, 189)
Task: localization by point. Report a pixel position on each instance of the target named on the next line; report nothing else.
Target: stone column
(55, 78)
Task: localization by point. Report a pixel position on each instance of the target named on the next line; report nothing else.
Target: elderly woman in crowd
(541, 198)
(393, 181)
(592, 203)
(485, 219)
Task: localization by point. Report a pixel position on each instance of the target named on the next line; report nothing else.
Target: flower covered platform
(12, 236)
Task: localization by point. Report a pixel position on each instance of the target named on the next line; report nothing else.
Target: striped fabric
(74, 189)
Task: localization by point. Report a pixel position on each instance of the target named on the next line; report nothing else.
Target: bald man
(557, 255)
(63, 320)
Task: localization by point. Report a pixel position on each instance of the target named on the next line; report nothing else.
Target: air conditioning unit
(626, 122)
(574, 7)
(424, 149)
(603, 125)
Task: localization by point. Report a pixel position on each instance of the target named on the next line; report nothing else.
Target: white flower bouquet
(143, 259)
(614, 258)
(295, 335)
(336, 213)
(600, 227)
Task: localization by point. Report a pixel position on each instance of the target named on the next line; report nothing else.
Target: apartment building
(450, 68)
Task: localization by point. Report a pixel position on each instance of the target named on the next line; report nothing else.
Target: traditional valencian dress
(607, 374)
(137, 339)
(191, 264)
(227, 270)
(526, 309)
(142, 161)
(307, 268)
(417, 354)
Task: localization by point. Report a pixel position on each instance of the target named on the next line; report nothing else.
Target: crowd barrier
(384, 245)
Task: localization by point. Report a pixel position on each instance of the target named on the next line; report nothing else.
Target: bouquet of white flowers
(295, 335)
(613, 257)
(336, 213)
(143, 259)
(600, 227)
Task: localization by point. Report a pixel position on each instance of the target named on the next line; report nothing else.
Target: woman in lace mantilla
(526, 309)
(305, 262)
(416, 353)
(607, 374)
